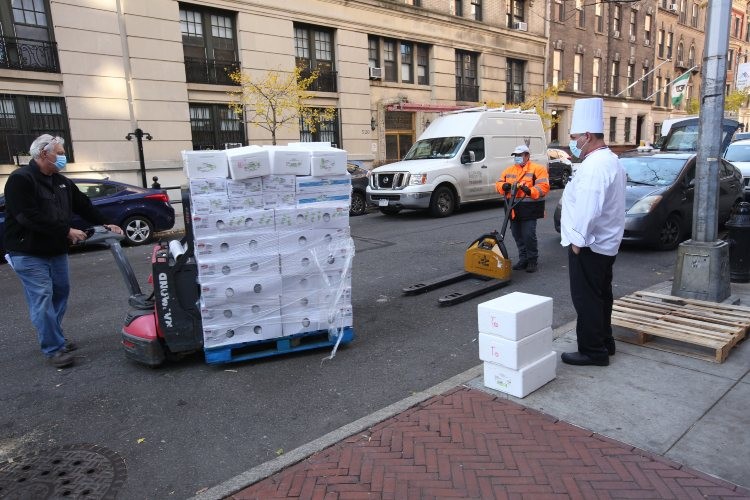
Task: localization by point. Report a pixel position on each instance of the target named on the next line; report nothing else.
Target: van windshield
(437, 147)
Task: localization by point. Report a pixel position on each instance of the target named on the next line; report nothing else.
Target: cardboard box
(332, 184)
(515, 354)
(262, 330)
(229, 290)
(520, 383)
(248, 161)
(289, 161)
(294, 304)
(325, 160)
(300, 323)
(256, 265)
(241, 245)
(278, 183)
(244, 187)
(515, 316)
(204, 164)
(316, 260)
(233, 314)
(211, 186)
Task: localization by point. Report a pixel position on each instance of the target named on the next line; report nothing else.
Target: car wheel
(138, 230)
(443, 202)
(564, 178)
(389, 210)
(358, 206)
(670, 233)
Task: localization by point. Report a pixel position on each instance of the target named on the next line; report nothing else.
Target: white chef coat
(593, 204)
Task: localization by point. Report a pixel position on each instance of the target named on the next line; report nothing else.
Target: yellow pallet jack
(486, 260)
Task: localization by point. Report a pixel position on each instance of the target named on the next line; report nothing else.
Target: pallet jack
(486, 259)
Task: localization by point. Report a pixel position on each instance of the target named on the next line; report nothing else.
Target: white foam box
(241, 245)
(244, 187)
(289, 161)
(331, 184)
(230, 314)
(293, 304)
(316, 260)
(520, 383)
(244, 290)
(210, 186)
(261, 330)
(203, 164)
(278, 183)
(307, 199)
(248, 161)
(279, 199)
(204, 205)
(515, 316)
(515, 354)
(322, 215)
(247, 202)
(233, 222)
(255, 265)
(309, 239)
(325, 160)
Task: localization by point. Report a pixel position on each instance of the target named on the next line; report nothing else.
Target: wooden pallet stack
(696, 328)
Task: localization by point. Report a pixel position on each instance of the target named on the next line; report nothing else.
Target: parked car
(659, 197)
(560, 167)
(139, 212)
(360, 179)
(738, 154)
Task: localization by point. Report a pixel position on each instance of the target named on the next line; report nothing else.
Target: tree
(537, 102)
(277, 99)
(732, 102)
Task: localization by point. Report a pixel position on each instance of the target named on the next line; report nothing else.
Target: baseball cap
(523, 148)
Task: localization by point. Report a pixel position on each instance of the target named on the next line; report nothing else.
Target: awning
(430, 108)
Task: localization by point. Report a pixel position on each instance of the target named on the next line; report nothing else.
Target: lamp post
(139, 135)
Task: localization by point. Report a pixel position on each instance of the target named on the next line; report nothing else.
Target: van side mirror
(468, 157)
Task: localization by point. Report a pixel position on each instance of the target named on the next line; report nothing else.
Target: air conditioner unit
(672, 7)
(632, 38)
(376, 73)
(617, 34)
(520, 26)
(647, 43)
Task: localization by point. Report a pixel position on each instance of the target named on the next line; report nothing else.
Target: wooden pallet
(696, 328)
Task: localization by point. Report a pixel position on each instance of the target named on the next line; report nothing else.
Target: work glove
(525, 189)
(506, 187)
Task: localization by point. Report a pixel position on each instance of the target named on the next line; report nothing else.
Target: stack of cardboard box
(272, 241)
(515, 343)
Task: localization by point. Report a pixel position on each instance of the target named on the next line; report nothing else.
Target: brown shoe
(60, 359)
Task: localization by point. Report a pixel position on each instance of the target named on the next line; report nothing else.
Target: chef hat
(587, 116)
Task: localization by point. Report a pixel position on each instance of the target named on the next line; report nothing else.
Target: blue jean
(46, 285)
(524, 232)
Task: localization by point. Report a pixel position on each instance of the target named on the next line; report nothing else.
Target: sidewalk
(651, 425)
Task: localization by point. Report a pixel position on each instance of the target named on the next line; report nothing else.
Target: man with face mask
(531, 182)
(591, 226)
(39, 206)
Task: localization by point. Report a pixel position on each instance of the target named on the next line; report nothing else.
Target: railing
(468, 93)
(198, 70)
(28, 54)
(14, 147)
(326, 81)
(516, 96)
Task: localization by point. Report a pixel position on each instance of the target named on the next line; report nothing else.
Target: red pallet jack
(486, 261)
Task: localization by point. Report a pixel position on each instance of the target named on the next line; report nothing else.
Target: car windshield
(738, 152)
(652, 170)
(437, 147)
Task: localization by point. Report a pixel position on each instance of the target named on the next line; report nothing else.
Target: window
(407, 63)
(660, 51)
(476, 144)
(515, 81)
(599, 17)
(325, 131)
(612, 129)
(466, 76)
(670, 40)
(373, 52)
(215, 125)
(577, 68)
(559, 10)
(208, 44)
(730, 60)
(680, 54)
(667, 93)
(313, 47)
(644, 84)
(614, 82)
(628, 124)
(389, 60)
(581, 13)
(747, 32)
(423, 65)
(737, 27)
(683, 11)
(691, 56)
(459, 6)
(630, 79)
(617, 19)
(694, 16)
(556, 67)
(399, 134)
(596, 76)
(657, 102)
(476, 9)
(24, 118)
(515, 12)
(647, 29)
(29, 44)
(633, 18)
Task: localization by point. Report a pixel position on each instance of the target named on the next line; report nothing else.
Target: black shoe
(531, 267)
(576, 358)
(521, 264)
(69, 346)
(610, 346)
(60, 359)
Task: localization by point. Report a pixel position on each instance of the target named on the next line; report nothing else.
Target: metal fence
(28, 54)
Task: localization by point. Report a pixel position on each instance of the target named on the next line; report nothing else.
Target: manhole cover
(75, 471)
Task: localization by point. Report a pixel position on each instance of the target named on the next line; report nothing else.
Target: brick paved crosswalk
(469, 444)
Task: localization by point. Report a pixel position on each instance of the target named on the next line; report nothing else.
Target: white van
(457, 160)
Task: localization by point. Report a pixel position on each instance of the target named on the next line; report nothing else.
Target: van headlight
(417, 179)
(644, 205)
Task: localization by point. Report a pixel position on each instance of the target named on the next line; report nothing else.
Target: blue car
(140, 212)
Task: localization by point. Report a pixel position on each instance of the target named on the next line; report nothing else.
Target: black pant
(591, 291)
(524, 232)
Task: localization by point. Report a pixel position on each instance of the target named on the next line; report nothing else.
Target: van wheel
(389, 210)
(443, 202)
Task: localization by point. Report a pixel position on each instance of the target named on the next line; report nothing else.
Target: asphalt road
(187, 426)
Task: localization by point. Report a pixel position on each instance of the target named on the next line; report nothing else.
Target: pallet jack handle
(509, 206)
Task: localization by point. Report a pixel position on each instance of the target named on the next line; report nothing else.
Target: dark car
(360, 178)
(659, 197)
(560, 167)
(138, 211)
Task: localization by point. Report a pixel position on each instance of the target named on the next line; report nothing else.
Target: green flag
(679, 85)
